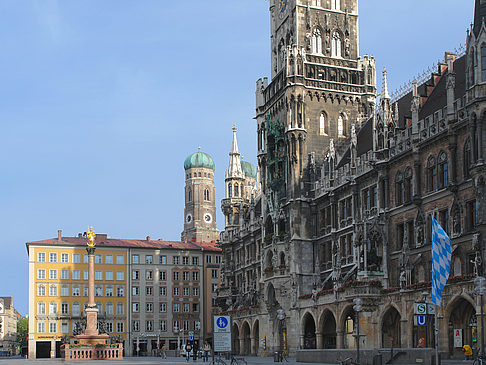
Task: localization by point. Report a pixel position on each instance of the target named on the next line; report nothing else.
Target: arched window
(443, 171)
(483, 62)
(342, 130)
(52, 308)
(316, 41)
(467, 158)
(189, 195)
(399, 189)
(230, 190)
(408, 185)
(336, 45)
(199, 174)
(323, 128)
(336, 4)
(76, 309)
(206, 194)
(237, 192)
(41, 308)
(195, 175)
(431, 174)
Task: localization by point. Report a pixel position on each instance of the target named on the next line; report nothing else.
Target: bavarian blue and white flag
(441, 261)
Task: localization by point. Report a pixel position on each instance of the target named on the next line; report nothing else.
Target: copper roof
(128, 243)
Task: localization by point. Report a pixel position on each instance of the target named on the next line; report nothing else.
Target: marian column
(91, 310)
(91, 335)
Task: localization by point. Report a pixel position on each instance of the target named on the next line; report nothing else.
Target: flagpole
(437, 361)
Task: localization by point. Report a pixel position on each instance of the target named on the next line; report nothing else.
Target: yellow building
(58, 290)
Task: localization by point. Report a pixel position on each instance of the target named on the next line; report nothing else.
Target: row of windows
(176, 260)
(149, 275)
(149, 326)
(76, 290)
(336, 43)
(199, 174)
(76, 258)
(52, 327)
(120, 259)
(76, 308)
(176, 307)
(189, 195)
(163, 291)
(76, 275)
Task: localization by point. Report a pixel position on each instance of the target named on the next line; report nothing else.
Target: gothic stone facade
(348, 192)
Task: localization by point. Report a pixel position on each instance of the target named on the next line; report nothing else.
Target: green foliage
(22, 331)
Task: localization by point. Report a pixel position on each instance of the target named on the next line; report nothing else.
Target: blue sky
(101, 101)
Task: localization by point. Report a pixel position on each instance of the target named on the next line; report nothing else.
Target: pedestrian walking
(206, 349)
(188, 351)
(164, 351)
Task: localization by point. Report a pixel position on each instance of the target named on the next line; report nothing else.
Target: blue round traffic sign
(222, 322)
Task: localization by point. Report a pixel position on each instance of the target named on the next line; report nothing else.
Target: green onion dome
(249, 169)
(197, 160)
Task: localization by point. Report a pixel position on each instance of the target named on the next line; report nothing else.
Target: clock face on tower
(208, 218)
(282, 5)
(188, 218)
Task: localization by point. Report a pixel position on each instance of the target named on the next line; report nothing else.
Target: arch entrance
(256, 337)
(236, 338)
(309, 332)
(463, 321)
(328, 330)
(348, 329)
(390, 329)
(245, 335)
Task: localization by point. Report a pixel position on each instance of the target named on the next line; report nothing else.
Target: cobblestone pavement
(173, 360)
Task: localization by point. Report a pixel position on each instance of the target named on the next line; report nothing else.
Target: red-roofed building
(148, 292)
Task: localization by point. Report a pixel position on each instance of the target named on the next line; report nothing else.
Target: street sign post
(222, 333)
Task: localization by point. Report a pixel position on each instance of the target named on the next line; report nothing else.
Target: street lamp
(358, 307)
(480, 288)
(280, 317)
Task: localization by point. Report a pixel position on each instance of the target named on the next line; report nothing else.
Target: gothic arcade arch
(245, 335)
(327, 329)
(461, 315)
(390, 328)
(236, 338)
(256, 336)
(309, 331)
(347, 326)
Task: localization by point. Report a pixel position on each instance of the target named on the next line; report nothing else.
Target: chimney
(148, 238)
(59, 235)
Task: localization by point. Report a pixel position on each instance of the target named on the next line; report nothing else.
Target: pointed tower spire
(234, 169)
(384, 90)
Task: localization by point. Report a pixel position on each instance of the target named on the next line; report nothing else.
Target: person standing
(188, 351)
(206, 349)
(164, 351)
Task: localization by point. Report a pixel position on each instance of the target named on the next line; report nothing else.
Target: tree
(22, 331)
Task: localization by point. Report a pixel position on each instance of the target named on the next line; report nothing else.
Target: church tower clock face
(188, 218)
(208, 218)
